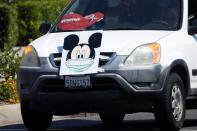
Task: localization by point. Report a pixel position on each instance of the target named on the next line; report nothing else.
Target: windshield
(120, 15)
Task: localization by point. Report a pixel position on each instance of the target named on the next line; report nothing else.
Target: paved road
(10, 119)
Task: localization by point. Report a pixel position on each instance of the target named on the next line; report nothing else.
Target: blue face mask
(79, 65)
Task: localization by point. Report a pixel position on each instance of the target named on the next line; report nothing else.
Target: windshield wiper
(115, 28)
(59, 31)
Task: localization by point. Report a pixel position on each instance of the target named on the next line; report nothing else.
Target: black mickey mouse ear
(70, 42)
(95, 40)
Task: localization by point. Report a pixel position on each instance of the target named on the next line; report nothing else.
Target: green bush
(19, 24)
(8, 26)
(31, 14)
(9, 60)
(4, 24)
(12, 36)
(8, 67)
(8, 92)
(9, 63)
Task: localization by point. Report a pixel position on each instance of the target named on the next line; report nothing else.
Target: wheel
(112, 119)
(170, 109)
(35, 120)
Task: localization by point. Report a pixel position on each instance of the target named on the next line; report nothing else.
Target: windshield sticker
(79, 56)
(75, 21)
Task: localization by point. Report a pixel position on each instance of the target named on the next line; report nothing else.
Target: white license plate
(82, 82)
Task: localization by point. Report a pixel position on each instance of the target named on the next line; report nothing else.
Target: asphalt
(10, 119)
(10, 114)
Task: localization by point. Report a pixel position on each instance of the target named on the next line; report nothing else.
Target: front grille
(105, 57)
(56, 59)
(98, 84)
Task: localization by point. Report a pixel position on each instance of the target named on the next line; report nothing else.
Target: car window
(120, 14)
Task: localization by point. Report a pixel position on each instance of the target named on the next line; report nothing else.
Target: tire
(112, 119)
(170, 108)
(35, 120)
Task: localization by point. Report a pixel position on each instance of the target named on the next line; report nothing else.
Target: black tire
(170, 108)
(112, 119)
(35, 120)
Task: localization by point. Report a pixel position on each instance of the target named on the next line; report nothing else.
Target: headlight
(30, 57)
(144, 55)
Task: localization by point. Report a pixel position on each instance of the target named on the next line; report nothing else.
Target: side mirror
(45, 27)
(193, 27)
(193, 30)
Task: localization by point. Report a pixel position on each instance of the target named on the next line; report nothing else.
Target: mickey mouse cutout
(80, 58)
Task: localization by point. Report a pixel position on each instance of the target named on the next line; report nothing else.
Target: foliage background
(32, 14)
(20, 20)
(19, 25)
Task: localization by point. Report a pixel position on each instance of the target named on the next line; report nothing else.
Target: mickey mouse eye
(76, 53)
(83, 54)
(86, 51)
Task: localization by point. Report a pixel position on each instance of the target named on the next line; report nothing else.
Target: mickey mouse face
(80, 52)
(80, 57)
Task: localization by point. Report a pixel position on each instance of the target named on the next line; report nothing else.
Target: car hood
(121, 42)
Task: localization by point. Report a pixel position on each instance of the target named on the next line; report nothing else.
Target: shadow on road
(96, 125)
(190, 123)
(99, 126)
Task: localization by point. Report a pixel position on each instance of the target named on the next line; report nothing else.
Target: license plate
(83, 82)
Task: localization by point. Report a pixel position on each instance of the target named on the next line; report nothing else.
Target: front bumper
(118, 85)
